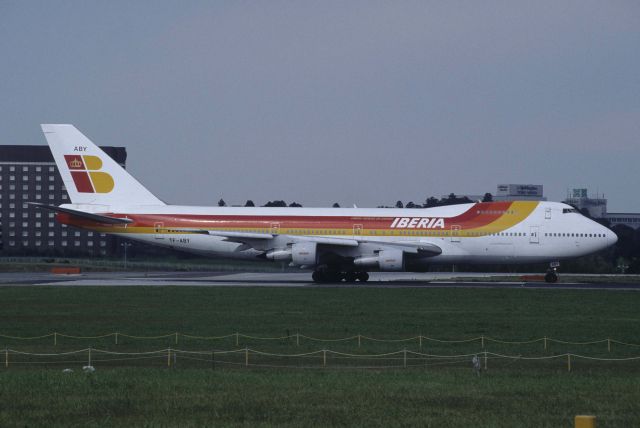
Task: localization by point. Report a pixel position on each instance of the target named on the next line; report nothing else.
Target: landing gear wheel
(551, 277)
(334, 276)
(350, 276)
(363, 276)
(317, 276)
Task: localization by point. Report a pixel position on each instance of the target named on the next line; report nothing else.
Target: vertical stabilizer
(89, 174)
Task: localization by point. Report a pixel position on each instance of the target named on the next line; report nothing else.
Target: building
(29, 174)
(519, 192)
(628, 219)
(597, 208)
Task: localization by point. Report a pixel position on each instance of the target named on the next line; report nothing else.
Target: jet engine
(386, 260)
(300, 253)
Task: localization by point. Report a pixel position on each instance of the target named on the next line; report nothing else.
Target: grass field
(509, 393)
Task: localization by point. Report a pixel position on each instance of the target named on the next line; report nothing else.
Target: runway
(377, 280)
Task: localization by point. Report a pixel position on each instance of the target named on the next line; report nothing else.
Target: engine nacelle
(386, 260)
(279, 255)
(391, 260)
(304, 253)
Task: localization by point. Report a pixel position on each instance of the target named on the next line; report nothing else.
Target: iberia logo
(86, 174)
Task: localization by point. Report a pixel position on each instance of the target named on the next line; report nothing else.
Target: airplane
(338, 244)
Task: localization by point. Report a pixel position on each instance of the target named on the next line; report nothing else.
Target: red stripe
(479, 215)
(83, 184)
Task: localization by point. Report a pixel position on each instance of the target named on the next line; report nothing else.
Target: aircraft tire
(350, 276)
(551, 277)
(363, 276)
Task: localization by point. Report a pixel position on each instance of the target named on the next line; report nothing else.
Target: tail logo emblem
(75, 164)
(86, 174)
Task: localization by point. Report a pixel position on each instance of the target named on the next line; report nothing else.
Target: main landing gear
(335, 276)
(552, 273)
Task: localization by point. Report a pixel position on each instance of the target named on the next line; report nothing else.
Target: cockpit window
(569, 210)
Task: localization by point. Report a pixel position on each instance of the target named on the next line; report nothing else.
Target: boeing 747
(336, 243)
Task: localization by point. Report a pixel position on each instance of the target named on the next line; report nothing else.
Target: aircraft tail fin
(89, 174)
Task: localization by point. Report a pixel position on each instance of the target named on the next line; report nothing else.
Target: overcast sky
(347, 101)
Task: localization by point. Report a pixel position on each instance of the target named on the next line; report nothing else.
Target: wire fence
(359, 339)
(90, 358)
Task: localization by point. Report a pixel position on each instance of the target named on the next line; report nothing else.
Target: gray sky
(318, 102)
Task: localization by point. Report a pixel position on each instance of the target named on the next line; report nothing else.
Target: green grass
(509, 393)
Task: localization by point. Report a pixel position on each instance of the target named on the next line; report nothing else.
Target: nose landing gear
(552, 273)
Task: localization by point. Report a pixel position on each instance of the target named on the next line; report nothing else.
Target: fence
(246, 358)
(420, 340)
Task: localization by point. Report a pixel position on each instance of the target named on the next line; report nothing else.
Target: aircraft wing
(420, 248)
(250, 238)
(246, 237)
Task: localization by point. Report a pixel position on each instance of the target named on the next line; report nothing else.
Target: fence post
(609, 345)
(6, 357)
(545, 343)
(482, 341)
(485, 360)
(568, 362)
(420, 342)
(89, 362)
(246, 357)
(298, 339)
(55, 338)
(405, 359)
(358, 340)
(237, 338)
(176, 337)
(169, 357)
(324, 358)
(116, 337)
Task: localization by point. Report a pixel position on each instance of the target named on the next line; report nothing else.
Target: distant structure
(519, 192)
(29, 174)
(597, 208)
(628, 219)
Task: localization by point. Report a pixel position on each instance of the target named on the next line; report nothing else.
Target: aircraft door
(275, 228)
(455, 233)
(157, 229)
(534, 237)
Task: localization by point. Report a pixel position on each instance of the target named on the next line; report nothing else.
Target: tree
(222, 203)
(249, 203)
(279, 203)
(488, 197)
(399, 204)
(430, 202)
(452, 199)
(410, 204)
(295, 204)
(336, 205)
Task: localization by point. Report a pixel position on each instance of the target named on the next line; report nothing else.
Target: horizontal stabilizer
(88, 216)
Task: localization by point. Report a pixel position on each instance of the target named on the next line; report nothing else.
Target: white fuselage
(548, 232)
